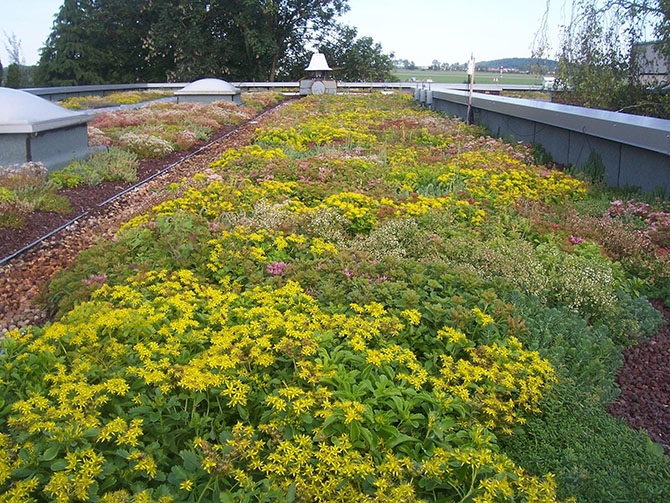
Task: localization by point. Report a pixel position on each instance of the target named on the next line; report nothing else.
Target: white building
(653, 65)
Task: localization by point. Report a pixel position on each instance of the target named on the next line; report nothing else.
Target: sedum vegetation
(113, 99)
(25, 188)
(158, 129)
(125, 137)
(369, 303)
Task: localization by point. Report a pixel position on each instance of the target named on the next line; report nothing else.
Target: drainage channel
(134, 186)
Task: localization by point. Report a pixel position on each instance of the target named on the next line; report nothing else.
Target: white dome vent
(208, 91)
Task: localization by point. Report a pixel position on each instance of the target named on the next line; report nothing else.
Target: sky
(416, 30)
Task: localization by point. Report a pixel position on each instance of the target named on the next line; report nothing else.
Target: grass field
(458, 77)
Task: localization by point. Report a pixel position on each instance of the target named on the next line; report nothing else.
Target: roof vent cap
(318, 63)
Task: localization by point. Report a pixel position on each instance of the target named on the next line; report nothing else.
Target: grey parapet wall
(63, 92)
(33, 129)
(635, 150)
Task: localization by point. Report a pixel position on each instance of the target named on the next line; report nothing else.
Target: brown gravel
(22, 278)
(644, 380)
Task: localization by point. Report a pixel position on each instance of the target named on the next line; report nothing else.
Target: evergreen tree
(117, 29)
(70, 56)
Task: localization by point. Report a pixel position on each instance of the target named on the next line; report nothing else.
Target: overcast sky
(418, 30)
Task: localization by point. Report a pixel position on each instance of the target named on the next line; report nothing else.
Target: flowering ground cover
(157, 129)
(125, 137)
(371, 302)
(25, 189)
(113, 99)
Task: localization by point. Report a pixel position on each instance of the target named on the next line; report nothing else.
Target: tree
(270, 32)
(1, 74)
(593, 66)
(118, 30)
(355, 59)
(632, 18)
(96, 41)
(70, 55)
(188, 39)
(13, 47)
(596, 66)
(663, 27)
(15, 73)
(13, 79)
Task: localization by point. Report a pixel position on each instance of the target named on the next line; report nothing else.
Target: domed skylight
(209, 86)
(22, 112)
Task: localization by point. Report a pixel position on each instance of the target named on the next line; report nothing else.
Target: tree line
(123, 41)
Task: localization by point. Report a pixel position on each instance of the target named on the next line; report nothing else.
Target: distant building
(653, 66)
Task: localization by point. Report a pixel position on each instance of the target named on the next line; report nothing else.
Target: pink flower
(276, 268)
(347, 273)
(574, 240)
(98, 279)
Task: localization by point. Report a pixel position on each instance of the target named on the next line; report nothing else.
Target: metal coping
(47, 125)
(648, 133)
(643, 132)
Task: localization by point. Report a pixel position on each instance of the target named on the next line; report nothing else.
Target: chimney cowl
(318, 63)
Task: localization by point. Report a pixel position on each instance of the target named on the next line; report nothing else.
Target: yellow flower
(412, 316)
(483, 318)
